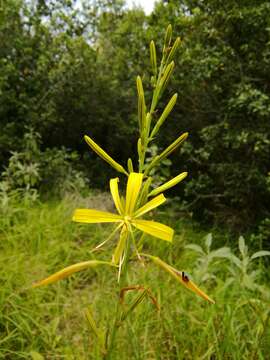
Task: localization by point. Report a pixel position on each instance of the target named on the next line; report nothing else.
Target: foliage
(140, 199)
(32, 172)
(241, 268)
(36, 239)
(225, 99)
(74, 67)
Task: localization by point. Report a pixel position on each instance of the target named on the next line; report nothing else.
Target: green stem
(152, 110)
(117, 319)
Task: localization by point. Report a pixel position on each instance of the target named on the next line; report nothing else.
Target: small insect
(185, 278)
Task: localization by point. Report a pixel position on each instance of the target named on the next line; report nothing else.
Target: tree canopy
(69, 69)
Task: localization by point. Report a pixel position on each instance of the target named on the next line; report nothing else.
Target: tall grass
(49, 322)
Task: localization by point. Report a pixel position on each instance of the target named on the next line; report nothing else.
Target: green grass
(49, 321)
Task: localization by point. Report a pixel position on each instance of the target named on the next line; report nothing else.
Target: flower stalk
(140, 199)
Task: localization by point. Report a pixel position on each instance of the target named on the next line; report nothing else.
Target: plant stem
(117, 319)
(154, 102)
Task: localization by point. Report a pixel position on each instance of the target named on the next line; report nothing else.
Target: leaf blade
(69, 270)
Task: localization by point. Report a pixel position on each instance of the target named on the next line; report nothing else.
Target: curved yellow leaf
(106, 157)
(69, 271)
(167, 185)
(193, 287)
(164, 115)
(173, 146)
(92, 216)
(150, 205)
(165, 153)
(153, 228)
(133, 188)
(180, 276)
(115, 195)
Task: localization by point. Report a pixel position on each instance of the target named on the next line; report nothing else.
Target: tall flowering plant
(139, 199)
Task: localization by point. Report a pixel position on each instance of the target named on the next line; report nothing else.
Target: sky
(147, 5)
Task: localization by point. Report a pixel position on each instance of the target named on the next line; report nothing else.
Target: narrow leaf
(208, 241)
(165, 153)
(166, 77)
(173, 49)
(196, 248)
(236, 261)
(138, 299)
(260, 254)
(92, 323)
(242, 247)
(100, 152)
(164, 115)
(169, 184)
(62, 274)
(223, 252)
(180, 277)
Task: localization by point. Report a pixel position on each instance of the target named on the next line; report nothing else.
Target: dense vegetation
(49, 323)
(67, 70)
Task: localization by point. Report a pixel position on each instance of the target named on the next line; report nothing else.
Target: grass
(49, 322)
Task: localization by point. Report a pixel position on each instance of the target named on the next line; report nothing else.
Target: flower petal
(150, 205)
(69, 271)
(95, 216)
(133, 188)
(153, 228)
(120, 246)
(115, 195)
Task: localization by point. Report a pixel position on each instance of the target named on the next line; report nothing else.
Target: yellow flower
(128, 216)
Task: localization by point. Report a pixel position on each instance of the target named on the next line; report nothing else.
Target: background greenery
(49, 322)
(68, 70)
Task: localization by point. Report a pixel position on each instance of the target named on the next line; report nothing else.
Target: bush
(32, 172)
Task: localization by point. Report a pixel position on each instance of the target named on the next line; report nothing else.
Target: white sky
(147, 5)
